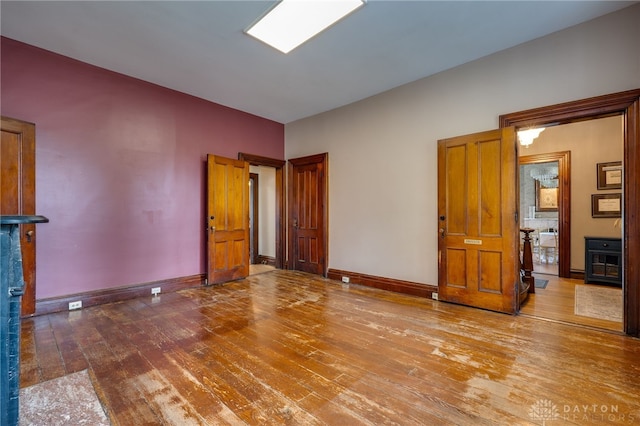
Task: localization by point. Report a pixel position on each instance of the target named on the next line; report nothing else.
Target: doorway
(562, 296)
(542, 174)
(262, 221)
(268, 213)
(627, 105)
(540, 210)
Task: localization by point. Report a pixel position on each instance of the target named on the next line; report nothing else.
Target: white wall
(266, 210)
(267, 213)
(382, 150)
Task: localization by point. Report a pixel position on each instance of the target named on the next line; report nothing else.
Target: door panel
(228, 219)
(477, 206)
(17, 195)
(308, 214)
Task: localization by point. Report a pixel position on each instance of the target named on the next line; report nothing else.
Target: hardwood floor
(286, 347)
(557, 302)
(545, 268)
(260, 269)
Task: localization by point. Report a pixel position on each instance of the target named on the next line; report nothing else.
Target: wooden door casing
(308, 214)
(227, 219)
(18, 194)
(628, 105)
(478, 233)
(278, 165)
(563, 158)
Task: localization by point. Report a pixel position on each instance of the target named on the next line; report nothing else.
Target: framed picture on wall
(609, 175)
(606, 205)
(546, 197)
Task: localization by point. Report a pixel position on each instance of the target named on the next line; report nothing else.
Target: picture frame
(606, 205)
(609, 175)
(546, 198)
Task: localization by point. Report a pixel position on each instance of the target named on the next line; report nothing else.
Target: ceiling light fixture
(292, 22)
(547, 176)
(526, 137)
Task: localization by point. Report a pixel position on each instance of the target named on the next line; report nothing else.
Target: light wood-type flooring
(556, 302)
(260, 269)
(291, 348)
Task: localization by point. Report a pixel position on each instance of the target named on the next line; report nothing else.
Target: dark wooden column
(527, 260)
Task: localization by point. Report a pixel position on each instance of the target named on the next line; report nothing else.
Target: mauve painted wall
(120, 169)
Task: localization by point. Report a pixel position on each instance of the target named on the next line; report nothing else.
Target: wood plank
(557, 302)
(291, 347)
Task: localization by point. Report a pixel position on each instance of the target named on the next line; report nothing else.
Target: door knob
(29, 235)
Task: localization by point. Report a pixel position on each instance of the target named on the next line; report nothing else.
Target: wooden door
(308, 214)
(227, 219)
(478, 225)
(18, 194)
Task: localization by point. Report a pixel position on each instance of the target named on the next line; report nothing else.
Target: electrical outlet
(75, 305)
(345, 280)
(155, 291)
(434, 295)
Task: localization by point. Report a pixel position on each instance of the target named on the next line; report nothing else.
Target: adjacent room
(343, 230)
(589, 146)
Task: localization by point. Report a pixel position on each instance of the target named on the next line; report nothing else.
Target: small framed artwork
(546, 197)
(609, 175)
(606, 205)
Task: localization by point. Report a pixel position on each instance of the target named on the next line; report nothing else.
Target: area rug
(67, 400)
(599, 302)
(541, 283)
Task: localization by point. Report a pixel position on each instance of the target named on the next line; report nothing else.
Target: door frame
(257, 160)
(563, 158)
(626, 104)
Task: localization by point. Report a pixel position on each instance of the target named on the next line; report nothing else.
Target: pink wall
(119, 169)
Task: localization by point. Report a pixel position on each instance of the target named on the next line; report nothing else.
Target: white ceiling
(199, 48)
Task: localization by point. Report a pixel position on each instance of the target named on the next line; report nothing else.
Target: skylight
(292, 22)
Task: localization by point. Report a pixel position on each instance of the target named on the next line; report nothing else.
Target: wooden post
(527, 260)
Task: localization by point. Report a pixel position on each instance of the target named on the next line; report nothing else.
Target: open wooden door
(308, 214)
(18, 195)
(478, 224)
(227, 219)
